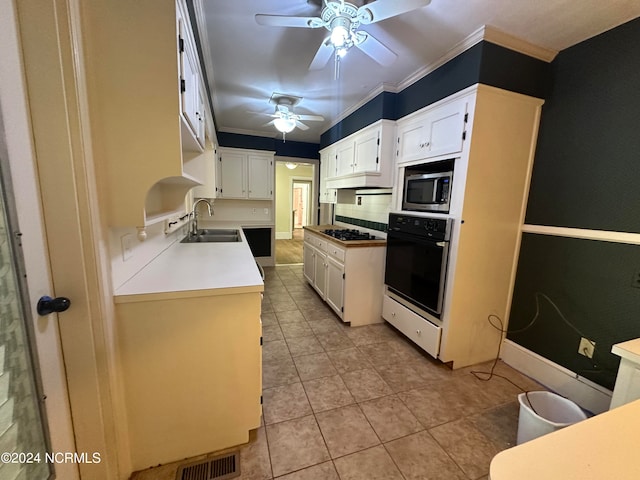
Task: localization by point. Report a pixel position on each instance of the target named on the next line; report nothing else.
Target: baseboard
(283, 236)
(587, 394)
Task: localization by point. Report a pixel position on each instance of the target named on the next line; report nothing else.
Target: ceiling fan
(283, 118)
(343, 20)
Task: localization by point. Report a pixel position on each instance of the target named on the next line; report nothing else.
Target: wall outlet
(266, 211)
(635, 281)
(253, 211)
(127, 246)
(586, 347)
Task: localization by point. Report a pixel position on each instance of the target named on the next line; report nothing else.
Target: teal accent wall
(586, 175)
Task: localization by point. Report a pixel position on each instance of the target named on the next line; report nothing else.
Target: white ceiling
(249, 62)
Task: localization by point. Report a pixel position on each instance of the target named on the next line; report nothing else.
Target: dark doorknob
(47, 305)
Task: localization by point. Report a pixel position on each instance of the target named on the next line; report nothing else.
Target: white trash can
(545, 412)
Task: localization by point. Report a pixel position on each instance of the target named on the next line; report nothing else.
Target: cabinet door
(335, 285)
(260, 176)
(411, 141)
(366, 152)
(232, 175)
(446, 125)
(309, 259)
(344, 158)
(190, 88)
(320, 273)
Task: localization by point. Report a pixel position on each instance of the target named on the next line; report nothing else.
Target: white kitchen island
(189, 334)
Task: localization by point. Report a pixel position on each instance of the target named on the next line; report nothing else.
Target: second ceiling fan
(342, 20)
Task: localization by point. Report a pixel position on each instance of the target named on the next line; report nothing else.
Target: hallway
(289, 252)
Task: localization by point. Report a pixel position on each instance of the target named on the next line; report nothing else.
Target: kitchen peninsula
(189, 335)
(348, 274)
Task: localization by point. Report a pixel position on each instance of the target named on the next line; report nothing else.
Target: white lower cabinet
(349, 278)
(335, 285)
(421, 331)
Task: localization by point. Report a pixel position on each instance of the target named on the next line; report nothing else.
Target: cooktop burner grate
(349, 234)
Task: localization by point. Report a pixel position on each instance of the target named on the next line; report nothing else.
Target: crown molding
(506, 40)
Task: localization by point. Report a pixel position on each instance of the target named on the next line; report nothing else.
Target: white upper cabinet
(246, 174)
(327, 169)
(367, 153)
(365, 158)
(260, 175)
(345, 152)
(144, 128)
(191, 91)
(432, 132)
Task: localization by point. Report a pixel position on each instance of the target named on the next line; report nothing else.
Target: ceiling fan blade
(268, 123)
(289, 21)
(381, 9)
(311, 118)
(322, 55)
(376, 50)
(262, 113)
(301, 125)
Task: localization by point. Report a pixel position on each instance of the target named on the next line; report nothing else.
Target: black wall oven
(417, 257)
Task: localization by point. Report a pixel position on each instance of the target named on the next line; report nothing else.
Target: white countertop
(194, 269)
(629, 350)
(600, 448)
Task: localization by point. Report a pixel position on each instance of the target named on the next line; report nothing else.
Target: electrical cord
(492, 318)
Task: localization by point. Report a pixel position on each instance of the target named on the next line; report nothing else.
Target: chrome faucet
(194, 213)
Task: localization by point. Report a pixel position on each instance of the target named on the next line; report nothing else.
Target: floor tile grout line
(376, 368)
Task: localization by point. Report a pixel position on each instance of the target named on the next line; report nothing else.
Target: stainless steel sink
(210, 235)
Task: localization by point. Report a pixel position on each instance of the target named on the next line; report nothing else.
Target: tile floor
(364, 403)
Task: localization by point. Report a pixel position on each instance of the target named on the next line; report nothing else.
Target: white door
(57, 216)
(31, 358)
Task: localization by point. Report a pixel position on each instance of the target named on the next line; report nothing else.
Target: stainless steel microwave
(427, 192)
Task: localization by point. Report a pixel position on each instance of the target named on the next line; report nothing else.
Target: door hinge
(260, 341)
(378, 140)
(181, 44)
(183, 87)
(343, 275)
(342, 309)
(260, 399)
(377, 159)
(466, 117)
(464, 135)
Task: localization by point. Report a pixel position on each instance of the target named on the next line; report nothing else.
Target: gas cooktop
(348, 234)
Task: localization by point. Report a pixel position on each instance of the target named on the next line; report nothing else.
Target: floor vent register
(220, 467)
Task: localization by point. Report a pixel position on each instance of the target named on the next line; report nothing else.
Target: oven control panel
(437, 228)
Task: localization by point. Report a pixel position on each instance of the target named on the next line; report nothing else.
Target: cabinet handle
(418, 332)
(393, 314)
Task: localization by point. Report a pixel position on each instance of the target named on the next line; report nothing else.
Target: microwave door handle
(437, 190)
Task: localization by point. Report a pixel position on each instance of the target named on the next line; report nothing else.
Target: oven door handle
(415, 239)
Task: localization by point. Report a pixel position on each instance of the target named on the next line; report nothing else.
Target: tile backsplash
(365, 208)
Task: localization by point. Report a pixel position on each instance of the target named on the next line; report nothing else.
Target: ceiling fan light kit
(284, 119)
(284, 125)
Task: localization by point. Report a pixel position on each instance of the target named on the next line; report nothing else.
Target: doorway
(301, 202)
(295, 189)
